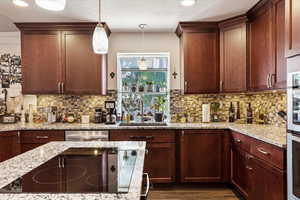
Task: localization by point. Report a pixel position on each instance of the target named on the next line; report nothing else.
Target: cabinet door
(201, 62)
(9, 145)
(292, 21)
(262, 62)
(266, 182)
(160, 162)
(279, 81)
(233, 59)
(239, 172)
(201, 155)
(84, 71)
(41, 66)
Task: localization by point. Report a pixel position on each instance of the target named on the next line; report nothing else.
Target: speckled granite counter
(267, 133)
(18, 166)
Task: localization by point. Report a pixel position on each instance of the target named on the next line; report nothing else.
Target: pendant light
(20, 3)
(143, 63)
(53, 5)
(100, 39)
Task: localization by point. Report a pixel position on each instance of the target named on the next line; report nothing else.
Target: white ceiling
(125, 15)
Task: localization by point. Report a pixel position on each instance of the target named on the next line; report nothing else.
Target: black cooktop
(80, 170)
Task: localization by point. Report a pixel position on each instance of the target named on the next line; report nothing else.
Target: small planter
(158, 117)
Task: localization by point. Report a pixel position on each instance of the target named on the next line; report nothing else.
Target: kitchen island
(21, 165)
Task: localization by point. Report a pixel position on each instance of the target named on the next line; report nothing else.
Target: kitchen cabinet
(160, 159)
(84, 71)
(57, 58)
(239, 171)
(292, 23)
(34, 139)
(266, 42)
(233, 55)
(267, 182)
(9, 145)
(41, 67)
(195, 164)
(200, 56)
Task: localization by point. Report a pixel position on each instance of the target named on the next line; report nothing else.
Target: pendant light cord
(99, 11)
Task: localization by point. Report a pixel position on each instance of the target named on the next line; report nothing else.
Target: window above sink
(144, 87)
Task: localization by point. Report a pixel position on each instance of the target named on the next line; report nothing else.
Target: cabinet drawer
(151, 136)
(241, 141)
(41, 137)
(270, 153)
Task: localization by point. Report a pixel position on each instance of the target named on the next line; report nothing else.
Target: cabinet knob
(237, 140)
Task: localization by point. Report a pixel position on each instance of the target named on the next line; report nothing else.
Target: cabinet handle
(185, 86)
(221, 86)
(58, 87)
(249, 168)
(263, 151)
(62, 87)
(268, 81)
(237, 140)
(42, 137)
(249, 157)
(59, 162)
(147, 186)
(271, 80)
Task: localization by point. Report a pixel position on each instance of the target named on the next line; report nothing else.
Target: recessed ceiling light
(188, 2)
(53, 5)
(20, 3)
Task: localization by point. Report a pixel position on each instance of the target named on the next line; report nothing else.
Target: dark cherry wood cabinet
(200, 56)
(267, 62)
(203, 156)
(267, 182)
(160, 159)
(292, 23)
(41, 66)
(33, 139)
(57, 58)
(84, 72)
(9, 145)
(233, 55)
(239, 171)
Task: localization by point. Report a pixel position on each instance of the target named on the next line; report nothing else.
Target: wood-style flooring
(192, 193)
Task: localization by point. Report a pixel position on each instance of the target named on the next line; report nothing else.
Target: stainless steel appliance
(293, 168)
(111, 116)
(86, 135)
(293, 92)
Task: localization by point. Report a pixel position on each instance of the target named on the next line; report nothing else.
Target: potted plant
(149, 86)
(159, 106)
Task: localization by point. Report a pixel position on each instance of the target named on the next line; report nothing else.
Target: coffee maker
(111, 117)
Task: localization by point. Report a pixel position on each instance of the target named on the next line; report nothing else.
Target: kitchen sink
(143, 124)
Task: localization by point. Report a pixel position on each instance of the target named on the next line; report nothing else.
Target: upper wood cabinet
(83, 71)
(41, 66)
(200, 56)
(267, 63)
(233, 52)
(292, 20)
(59, 59)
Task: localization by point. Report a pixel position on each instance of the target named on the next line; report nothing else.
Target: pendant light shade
(53, 5)
(100, 39)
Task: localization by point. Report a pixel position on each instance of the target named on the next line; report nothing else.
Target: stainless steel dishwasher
(87, 136)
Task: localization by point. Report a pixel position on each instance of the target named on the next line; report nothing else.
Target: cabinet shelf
(148, 70)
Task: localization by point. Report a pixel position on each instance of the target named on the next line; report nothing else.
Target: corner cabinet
(292, 20)
(200, 56)
(233, 55)
(59, 59)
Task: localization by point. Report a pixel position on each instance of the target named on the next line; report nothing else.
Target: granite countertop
(267, 133)
(20, 165)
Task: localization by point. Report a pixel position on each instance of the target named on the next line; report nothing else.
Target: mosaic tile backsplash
(268, 104)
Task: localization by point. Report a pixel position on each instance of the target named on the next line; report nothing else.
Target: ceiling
(125, 15)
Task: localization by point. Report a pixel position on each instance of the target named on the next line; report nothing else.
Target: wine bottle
(231, 113)
(249, 114)
(238, 112)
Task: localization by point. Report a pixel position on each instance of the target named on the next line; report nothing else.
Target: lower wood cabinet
(33, 139)
(9, 145)
(267, 182)
(203, 156)
(160, 159)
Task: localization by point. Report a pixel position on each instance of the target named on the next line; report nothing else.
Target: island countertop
(18, 166)
(266, 133)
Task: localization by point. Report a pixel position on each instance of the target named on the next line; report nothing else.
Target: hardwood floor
(193, 193)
